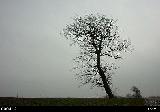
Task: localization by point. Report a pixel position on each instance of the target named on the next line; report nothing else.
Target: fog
(36, 61)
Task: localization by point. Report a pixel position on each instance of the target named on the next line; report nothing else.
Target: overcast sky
(35, 60)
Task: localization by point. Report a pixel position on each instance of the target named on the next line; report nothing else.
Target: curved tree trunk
(105, 84)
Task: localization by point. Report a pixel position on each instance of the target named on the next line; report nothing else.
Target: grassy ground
(70, 102)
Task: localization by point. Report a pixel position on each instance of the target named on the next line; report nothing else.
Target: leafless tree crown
(96, 35)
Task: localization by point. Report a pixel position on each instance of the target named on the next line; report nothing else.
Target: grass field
(70, 102)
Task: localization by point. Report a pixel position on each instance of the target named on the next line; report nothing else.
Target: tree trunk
(105, 83)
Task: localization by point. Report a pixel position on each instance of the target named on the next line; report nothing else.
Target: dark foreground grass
(70, 102)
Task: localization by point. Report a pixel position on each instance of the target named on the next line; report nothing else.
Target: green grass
(70, 102)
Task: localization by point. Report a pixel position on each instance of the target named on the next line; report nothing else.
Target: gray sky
(35, 60)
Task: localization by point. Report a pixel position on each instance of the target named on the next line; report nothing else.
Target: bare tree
(99, 41)
(136, 92)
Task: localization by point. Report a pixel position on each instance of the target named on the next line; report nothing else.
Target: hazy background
(35, 60)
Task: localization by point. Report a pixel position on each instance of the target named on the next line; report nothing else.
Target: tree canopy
(99, 41)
